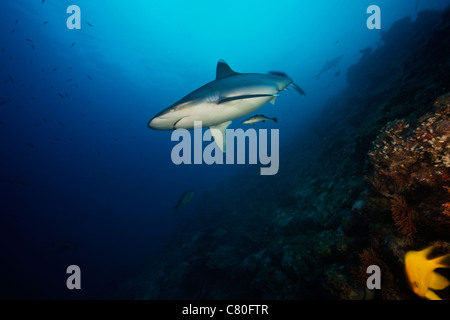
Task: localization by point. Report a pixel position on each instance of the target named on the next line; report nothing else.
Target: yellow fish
(421, 275)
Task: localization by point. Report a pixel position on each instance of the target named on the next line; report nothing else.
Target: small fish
(90, 25)
(257, 118)
(337, 73)
(184, 199)
(70, 79)
(421, 275)
(45, 22)
(32, 46)
(72, 45)
(89, 77)
(54, 69)
(17, 21)
(42, 1)
(28, 39)
(10, 78)
(59, 94)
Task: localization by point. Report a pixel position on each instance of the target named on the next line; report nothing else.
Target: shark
(330, 64)
(216, 104)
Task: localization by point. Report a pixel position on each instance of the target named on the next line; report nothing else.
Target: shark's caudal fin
(218, 133)
(299, 90)
(282, 74)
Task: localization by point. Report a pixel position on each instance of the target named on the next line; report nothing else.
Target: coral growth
(366, 258)
(446, 205)
(403, 216)
(406, 158)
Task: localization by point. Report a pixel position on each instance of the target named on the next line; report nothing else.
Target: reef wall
(366, 185)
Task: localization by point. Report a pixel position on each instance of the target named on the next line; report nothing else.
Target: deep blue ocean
(83, 180)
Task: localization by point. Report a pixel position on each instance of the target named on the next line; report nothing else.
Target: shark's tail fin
(275, 119)
(299, 90)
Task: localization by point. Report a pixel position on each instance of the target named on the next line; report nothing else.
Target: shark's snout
(152, 124)
(159, 124)
(164, 120)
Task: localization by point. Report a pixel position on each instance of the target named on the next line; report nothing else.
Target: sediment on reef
(309, 231)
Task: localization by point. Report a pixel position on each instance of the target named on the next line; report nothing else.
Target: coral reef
(405, 159)
(409, 163)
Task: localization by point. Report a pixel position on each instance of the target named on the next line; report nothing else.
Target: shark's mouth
(175, 123)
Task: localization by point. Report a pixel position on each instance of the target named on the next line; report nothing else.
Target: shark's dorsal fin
(223, 70)
(218, 133)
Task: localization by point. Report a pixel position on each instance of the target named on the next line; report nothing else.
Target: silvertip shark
(230, 96)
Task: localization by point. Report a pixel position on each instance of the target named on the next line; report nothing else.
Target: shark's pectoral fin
(218, 133)
(273, 100)
(247, 96)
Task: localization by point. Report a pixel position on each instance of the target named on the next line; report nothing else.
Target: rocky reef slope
(367, 184)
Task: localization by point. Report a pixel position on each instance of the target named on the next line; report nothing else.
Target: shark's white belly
(211, 114)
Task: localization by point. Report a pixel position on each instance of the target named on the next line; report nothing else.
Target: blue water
(83, 180)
